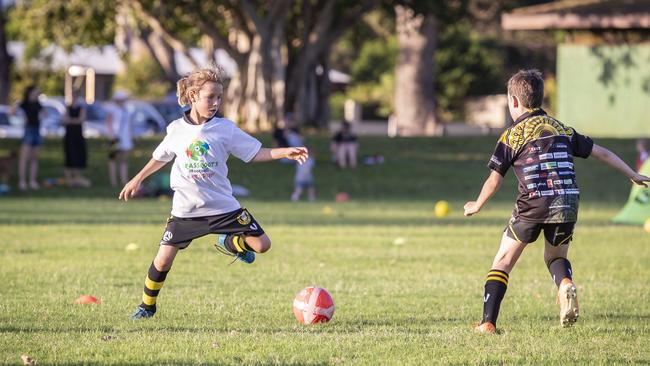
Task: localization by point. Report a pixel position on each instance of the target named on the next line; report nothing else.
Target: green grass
(395, 304)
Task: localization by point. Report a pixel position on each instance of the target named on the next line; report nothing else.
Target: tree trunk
(137, 44)
(5, 61)
(255, 95)
(307, 91)
(322, 110)
(414, 79)
(163, 54)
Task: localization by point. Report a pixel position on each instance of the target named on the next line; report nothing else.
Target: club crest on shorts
(244, 218)
(167, 236)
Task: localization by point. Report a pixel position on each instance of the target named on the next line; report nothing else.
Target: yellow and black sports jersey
(541, 149)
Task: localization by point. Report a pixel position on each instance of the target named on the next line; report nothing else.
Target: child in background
(120, 128)
(304, 180)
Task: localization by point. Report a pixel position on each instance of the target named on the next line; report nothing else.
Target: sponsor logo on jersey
(534, 149)
(557, 182)
(529, 160)
(532, 168)
(559, 191)
(547, 193)
(572, 191)
(532, 176)
(197, 149)
(568, 181)
(560, 155)
(549, 183)
(496, 161)
(531, 186)
(566, 172)
(561, 146)
(534, 194)
(548, 166)
(565, 164)
(545, 156)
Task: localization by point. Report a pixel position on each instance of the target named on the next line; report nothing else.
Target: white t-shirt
(122, 127)
(303, 172)
(199, 176)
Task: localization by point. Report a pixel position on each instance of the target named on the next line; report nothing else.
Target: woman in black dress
(74, 145)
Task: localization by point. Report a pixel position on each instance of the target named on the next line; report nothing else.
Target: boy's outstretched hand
(640, 179)
(299, 154)
(471, 208)
(129, 189)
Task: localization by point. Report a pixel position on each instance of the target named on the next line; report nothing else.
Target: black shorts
(181, 231)
(528, 232)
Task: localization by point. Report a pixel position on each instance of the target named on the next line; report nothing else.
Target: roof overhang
(580, 14)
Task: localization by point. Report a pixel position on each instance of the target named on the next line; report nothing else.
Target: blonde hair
(193, 81)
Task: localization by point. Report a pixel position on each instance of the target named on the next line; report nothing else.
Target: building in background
(603, 63)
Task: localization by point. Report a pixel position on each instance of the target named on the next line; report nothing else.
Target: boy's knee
(265, 244)
(163, 263)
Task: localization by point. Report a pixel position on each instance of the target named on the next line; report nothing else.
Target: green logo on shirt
(197, 149)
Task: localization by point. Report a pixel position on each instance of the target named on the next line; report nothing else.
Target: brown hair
(528, 87)
(196, 79)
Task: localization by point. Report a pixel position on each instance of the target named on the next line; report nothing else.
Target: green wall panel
(604, 91)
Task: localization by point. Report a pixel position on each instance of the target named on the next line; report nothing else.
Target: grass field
(395, 304)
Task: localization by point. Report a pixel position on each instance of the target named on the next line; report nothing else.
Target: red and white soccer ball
(313, 305)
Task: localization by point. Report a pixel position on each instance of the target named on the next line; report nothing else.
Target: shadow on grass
(343, 221)
(406, 325)
(234, 361)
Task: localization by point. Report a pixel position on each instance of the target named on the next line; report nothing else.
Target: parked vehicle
(11, 126)
(52, 122)
(145, 118)
(170, 110)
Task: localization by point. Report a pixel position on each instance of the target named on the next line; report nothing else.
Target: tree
(414, 79)
(42, 23)
(250, 33)
(314, 29)
(257, 36)
(5, 60)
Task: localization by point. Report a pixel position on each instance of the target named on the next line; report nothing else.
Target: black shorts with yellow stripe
(528, 232)
(180, 232)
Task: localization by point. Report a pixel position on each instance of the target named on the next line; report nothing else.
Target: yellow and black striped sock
(496, 285)
(237, 244)
(152, 285)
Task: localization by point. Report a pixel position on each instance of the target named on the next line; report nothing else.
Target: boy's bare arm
(491, 185)
(300, 154)
(614, 161)
(134, 184)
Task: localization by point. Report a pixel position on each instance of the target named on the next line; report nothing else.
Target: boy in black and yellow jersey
(540, 149)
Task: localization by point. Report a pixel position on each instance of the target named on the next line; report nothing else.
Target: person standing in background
(120, 131)
(32, 139)
(74, 145)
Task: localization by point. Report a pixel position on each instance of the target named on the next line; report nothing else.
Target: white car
(11, 126)
(145, 118)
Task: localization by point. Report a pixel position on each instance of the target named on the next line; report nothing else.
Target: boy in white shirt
(203, 202)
